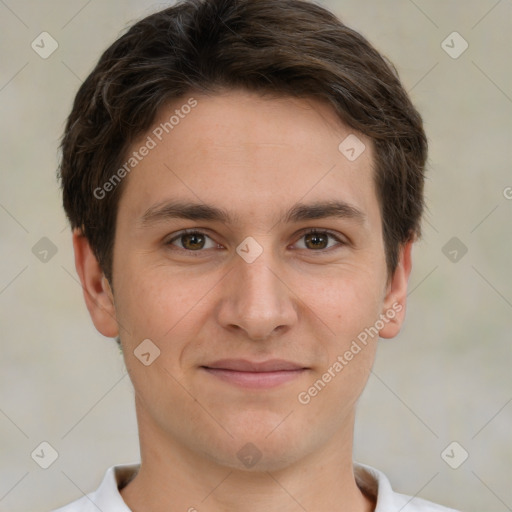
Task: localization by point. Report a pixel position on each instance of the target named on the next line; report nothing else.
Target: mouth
(252, 374)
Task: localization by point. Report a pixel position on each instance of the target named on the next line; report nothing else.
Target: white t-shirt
(107, 497)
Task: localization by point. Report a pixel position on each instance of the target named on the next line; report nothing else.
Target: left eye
(194, 241)
(318, 240)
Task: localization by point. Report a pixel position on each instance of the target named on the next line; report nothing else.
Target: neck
(174, 477)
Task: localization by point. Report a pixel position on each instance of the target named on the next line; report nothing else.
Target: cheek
(349, 305)
(350, 308)
(346, 301)
(163, 309)
(150, 304)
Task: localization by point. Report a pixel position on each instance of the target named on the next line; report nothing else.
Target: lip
(244, 365)
(253, 374)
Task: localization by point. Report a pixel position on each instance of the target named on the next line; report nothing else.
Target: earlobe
(98, 295)
(396, 294)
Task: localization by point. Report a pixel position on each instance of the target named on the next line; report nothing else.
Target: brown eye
(191, 241)
(316, 240)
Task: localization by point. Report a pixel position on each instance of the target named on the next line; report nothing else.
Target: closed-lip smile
(255, 374)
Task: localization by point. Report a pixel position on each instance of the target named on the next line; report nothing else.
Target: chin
(263, 449)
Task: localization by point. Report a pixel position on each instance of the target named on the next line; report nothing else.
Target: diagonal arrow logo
(454, 455)
(249, 455)
(44, 45)
(454, 249)
(454, 45)
(146, 352)
(44, 250)
(351, 147)
(44, 455)
(249, 249)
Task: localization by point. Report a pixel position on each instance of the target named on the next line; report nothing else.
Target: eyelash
(309, 232)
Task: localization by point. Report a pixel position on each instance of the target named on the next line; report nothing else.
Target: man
(244, 180)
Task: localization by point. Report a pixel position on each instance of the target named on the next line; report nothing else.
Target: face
(249, 251)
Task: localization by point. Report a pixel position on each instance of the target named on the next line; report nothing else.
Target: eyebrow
(200, 211)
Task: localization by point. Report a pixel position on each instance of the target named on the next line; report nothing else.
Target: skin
(255, 157)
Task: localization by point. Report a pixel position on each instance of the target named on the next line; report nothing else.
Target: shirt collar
(107, 496)
(370, 480)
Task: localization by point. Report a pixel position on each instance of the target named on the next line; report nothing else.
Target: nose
(257, 299)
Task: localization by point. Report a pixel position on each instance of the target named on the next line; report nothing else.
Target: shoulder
(375, 483)
(80, 505)
(414, 504)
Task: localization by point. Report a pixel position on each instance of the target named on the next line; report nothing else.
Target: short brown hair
(286, 47)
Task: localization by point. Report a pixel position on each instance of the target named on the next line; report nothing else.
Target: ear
(97, 292)
(396, 294)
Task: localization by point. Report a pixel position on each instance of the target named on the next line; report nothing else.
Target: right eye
(191, 240)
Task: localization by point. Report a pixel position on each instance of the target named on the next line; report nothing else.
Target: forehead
(248, 153)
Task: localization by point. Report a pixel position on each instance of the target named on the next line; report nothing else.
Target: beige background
(446, 377)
